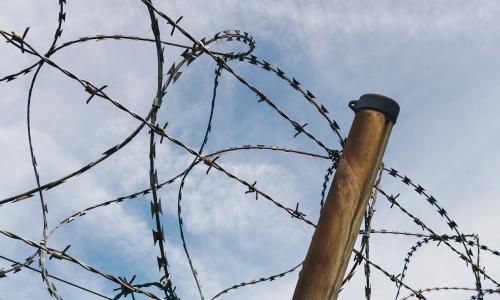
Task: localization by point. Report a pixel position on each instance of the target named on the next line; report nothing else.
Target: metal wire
(158, 134)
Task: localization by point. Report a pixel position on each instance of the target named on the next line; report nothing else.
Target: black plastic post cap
(379, 103)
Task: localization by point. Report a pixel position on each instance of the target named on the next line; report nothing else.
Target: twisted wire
(223, 64)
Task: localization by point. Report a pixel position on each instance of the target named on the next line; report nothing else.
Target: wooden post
(338, 226)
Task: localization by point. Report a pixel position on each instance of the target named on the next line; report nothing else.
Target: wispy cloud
(437, 59)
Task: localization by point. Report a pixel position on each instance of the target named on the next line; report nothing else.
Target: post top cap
(377, 102)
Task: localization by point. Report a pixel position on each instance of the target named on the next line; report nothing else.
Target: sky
(437, 59)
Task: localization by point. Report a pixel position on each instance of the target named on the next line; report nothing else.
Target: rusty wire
(159, 134)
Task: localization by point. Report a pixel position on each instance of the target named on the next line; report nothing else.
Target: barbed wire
(158, 134)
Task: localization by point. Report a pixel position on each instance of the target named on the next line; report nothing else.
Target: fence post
(338, 226)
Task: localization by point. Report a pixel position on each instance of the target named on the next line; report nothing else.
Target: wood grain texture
(340, 220)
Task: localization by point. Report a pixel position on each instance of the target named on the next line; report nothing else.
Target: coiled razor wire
(466, 244)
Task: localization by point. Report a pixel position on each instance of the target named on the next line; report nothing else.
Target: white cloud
(438, 59)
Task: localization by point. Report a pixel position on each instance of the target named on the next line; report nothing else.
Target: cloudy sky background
(438, 59)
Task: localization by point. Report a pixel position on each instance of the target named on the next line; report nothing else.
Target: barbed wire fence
(466, 247)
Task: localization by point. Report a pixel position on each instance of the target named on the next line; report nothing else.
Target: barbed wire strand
(212, 161)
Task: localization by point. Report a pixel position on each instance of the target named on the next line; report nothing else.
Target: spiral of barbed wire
(466, 247)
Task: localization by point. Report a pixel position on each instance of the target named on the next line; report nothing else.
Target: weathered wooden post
(338, 226)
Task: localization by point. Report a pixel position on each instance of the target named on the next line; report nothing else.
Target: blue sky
(438, 59)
